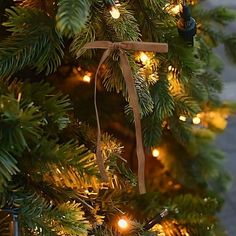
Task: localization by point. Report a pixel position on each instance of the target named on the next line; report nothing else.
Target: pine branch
(230, 47)
(123, 28)
(155, 23)
(18, 123)
(163, 100)
(72, 16)
(145, 100)
(86, 35)
(8, 168)
(34, 42)
(211, 81)
(152, 130)
(194, 209)
(197, 89)
(186, 106)
(180, 130)
(46, 219)
(64, 157)
(220, 15)
(182, 58)
(53, 104)
(44, 5)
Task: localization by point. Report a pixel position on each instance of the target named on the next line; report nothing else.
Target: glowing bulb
(175, 10)
(143, 57)
(86, 78)
(183, 118)
(172, 9)
(196, 120)
(155, 152)
(122, 223)
(115, 12)
(169, 68)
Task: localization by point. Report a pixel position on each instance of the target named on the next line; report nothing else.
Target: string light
(182, 118)
(172, 9)
(19, 97)
(114, 11)
(143, 57)
(156, 220)
(87, 78)
(155, 152)
(196, 120)
(123, 224)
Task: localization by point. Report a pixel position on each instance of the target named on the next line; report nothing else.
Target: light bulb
(115, 13)
(183, 118)
(122, 223)
(172, 9)
(87, 78)
(175, 9)
(155, 152)
(196, 120)
(143, 57)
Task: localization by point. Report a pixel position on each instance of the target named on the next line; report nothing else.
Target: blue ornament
(187, 26)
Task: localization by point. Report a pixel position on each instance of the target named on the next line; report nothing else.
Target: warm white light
(115, 12)
(196, 120)
(86, 78)
(175, 10)
(183, 118)
(143, 57)
(172, 9)
(169, 68)
(122, 223)
(155, 152)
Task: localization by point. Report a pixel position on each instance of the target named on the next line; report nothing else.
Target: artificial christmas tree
(50, 171)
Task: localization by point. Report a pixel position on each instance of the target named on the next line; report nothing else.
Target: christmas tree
(70, 69)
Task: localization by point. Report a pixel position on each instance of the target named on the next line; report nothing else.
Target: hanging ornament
(187, 26)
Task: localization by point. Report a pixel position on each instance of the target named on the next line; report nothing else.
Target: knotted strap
(133, 97)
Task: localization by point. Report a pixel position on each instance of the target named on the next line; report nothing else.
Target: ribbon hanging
(133, 97)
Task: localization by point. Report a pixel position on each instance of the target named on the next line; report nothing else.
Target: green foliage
(72, 16)
(40, 215)
(194, 209)
(163, 100)
(186, 106)
(18, 121)
(124, 28)
(145, 100)
(152, 130)
(112, 76)
(229, 43)
(54, 105)
(8, 167)
(86, 35)
(180, 130)
(34, 42)
(220, 15)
